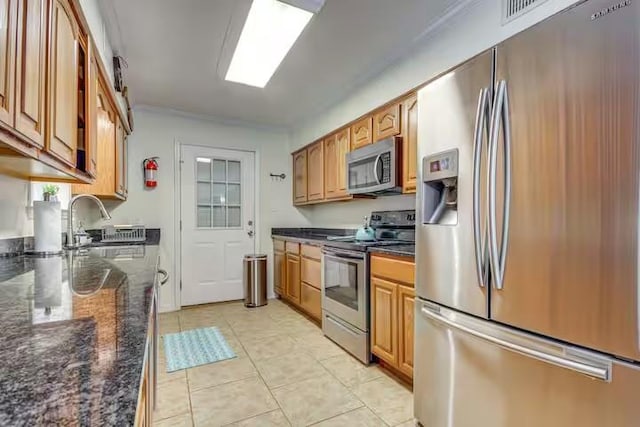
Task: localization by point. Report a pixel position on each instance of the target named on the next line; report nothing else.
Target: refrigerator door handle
(506, 207)
(598, 369)
(500, 115)
(480, 230)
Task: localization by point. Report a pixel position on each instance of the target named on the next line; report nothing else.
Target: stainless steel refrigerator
(527, 309)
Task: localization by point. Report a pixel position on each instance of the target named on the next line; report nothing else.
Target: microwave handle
(375, 169)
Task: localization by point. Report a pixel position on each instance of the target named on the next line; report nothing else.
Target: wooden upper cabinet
(343, 147)
(62, 134)
(7, 60)
(91, 126)
(31, 70)
(315, 172)
(300, 177)
(410, 144)
(330, 167)
(106, 183)
(121, 159)
(336, 148)
(362, 133)
(386, 122)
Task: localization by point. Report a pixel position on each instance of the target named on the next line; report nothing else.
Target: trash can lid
(255, 256)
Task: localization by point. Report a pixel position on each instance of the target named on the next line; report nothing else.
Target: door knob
(250, 233)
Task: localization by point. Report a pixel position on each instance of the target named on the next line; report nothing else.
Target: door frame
(177, 209)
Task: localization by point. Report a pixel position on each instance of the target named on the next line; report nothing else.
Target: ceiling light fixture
(271, 29)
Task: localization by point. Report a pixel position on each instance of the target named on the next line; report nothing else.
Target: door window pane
(233, 194)
(218, 193)
(233, 218)
(204, 216)
(219, 170)
(203, 169)
(204, 193)
(219, 219)
(219, 197)
(234, 172)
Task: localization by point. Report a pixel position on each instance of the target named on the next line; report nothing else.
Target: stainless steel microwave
(376, 168)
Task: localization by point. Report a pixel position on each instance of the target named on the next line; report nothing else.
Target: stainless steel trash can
(255, 280)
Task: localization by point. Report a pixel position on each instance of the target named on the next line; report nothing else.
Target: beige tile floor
(286, 374)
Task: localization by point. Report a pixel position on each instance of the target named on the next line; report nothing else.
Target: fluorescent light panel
(269, 32)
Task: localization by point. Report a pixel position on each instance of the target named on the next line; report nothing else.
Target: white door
(217, 212)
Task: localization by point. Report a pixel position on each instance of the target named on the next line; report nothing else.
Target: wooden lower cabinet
(406, 304)
(392, 315)
(310, 300)
(293, 278)
(384, 325)
(279, 271)
(297, 276)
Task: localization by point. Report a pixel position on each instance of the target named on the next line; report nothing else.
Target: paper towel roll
(47, 226)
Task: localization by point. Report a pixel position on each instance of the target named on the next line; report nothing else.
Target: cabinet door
(343, 147)
(405, 329)
(279, 272)
(386, 122)
(361, 133)
(293, 278)
(31, 70)
(121, 159)
(315, 168)
(7, 60)
(62, 135)
(300, 177)
(330, 167)
(105, 183)
(410, 144)
(384, 320)
(310, 298)
(91, 124)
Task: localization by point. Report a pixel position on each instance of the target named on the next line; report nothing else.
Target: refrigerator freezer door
(447, 270)
(571, 268)
(471, 372)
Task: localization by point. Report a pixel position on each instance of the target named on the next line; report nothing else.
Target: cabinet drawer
(398, 269)
(310, 300)
(311, 272)
(313, 252)
(292, 248)
(278, 245)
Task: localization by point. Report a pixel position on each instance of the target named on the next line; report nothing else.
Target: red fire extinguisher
(150, 166)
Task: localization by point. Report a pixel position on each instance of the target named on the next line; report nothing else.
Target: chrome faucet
(71, 237)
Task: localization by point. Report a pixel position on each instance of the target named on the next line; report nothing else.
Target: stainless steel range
(345, 280)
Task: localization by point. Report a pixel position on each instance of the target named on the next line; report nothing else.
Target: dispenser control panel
(440, 166)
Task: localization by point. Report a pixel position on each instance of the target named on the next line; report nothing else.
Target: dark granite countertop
(399, 250)
(74, 331)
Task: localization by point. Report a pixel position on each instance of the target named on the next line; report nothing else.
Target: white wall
(14, 197)
(156, 134)
(474, 29)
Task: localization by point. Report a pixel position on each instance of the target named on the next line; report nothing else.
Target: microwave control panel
(385, 159)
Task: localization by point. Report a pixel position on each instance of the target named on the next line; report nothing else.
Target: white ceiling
(173, 47)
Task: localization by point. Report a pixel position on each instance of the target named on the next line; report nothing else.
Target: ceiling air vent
(512, 9)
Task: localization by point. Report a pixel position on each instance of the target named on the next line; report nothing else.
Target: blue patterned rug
(195, 347)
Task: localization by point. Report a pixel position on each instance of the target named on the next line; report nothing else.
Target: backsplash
(349, 214)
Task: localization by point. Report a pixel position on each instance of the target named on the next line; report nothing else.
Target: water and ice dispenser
(440, 188)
